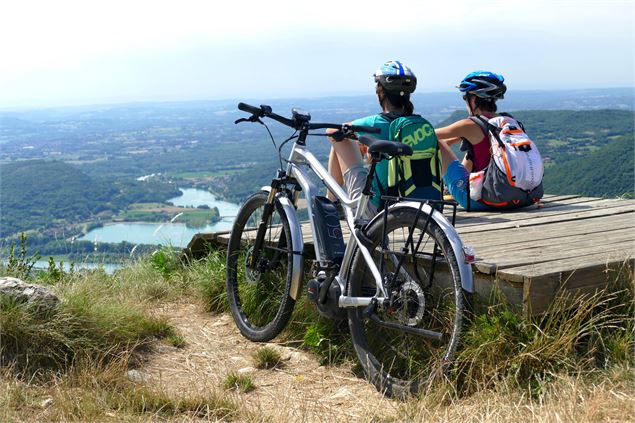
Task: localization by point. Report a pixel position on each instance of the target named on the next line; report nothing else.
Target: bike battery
(328, 229)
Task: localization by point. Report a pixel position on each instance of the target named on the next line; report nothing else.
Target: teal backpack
(418, 175)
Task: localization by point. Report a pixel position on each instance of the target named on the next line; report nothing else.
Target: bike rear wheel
(259, 278)
(425, 296)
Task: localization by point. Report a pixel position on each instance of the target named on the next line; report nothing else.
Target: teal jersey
(381, 171)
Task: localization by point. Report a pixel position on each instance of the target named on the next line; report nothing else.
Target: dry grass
(584, 398)
(100, 393)
(573, 365)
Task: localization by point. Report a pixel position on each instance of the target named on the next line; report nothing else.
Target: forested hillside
(585, 152)
(99, 155)
(607, 171)
(38, 194)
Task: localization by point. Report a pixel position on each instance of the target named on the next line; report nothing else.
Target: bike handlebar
(249, 109)
(265, 111)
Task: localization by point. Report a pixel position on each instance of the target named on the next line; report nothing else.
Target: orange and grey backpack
(513, 177)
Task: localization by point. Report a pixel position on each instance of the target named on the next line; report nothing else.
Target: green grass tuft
(267, 358)
(238, 382)
(209, 276)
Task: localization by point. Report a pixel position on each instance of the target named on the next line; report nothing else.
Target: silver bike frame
(300, 158)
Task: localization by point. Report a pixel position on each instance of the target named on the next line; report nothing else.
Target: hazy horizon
(72, 52)
(516, 93)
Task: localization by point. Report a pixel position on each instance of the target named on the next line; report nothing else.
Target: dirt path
(301, 390)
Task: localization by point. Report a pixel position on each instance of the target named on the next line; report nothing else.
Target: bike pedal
(313, 290)
(370, 310)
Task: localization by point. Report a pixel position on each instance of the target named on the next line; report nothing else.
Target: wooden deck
(570, 242)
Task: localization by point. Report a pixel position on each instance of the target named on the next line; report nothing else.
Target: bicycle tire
(259, 298)
(396, 362)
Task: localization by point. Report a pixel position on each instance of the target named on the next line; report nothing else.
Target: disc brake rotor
(252, 273)
(413, 303)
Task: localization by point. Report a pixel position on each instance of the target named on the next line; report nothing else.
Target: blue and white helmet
(483, 84)
(396, 77)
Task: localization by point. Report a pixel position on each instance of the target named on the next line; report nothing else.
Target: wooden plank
(540, 291)
(548, 218)
(537, 295)
(556, 201)
(480, 222)
(490, 264)
(621, 247)
(486, 286)
(464, 217)
(512, 236)
(563, 242)
(548, 269)
(548, 198)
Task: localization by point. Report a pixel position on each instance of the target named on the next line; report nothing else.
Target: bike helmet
(396, 77)
(483, 84)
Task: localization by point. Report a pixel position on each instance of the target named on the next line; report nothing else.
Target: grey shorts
(354, 181)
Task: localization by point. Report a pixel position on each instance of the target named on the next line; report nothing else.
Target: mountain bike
(401, 278)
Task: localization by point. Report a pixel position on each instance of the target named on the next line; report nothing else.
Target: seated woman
(481, 91)
(394, 82)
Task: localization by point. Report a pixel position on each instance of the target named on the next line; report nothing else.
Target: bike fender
(465, 269)
(297, 242)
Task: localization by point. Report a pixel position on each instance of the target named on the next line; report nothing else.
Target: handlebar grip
(249, 109)
(366, 129)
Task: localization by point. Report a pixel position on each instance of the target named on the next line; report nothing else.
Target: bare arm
(463, 128)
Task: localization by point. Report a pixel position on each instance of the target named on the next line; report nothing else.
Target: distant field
(156, 212)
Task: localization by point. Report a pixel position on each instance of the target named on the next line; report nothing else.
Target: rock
(136, 376)
(47, 402)
(341, 393)
(296, 357)
(246, 370)
(23, 292)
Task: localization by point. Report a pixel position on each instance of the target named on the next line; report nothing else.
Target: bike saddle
(390, 148)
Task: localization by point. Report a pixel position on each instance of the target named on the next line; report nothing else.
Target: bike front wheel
(411, 338)
(259, 277)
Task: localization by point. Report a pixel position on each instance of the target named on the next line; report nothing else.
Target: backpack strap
(390, 116)
(489, 128)
(510, 116)
(482, 123)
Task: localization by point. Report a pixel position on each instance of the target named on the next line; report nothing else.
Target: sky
(66, 52)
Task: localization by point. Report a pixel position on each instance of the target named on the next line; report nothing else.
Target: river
(168, 233)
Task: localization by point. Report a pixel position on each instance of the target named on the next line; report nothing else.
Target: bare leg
(343, 156)
(335, 171)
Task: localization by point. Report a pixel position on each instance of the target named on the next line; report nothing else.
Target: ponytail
(486, 104)
(399, 101)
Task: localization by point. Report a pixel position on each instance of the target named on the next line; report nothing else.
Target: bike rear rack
(438, 205)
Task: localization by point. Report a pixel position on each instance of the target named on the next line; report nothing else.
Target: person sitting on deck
(394, 82)
(514, 188)
(480, 91)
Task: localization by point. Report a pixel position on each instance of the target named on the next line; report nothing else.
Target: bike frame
(299, 159)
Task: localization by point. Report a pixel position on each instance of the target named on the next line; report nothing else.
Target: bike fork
(262, 227)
